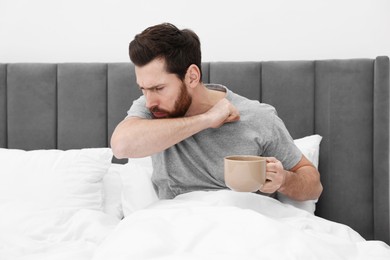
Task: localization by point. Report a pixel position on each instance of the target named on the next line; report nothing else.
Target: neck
(203, 99)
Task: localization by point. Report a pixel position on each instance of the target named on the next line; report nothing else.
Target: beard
(181, 106)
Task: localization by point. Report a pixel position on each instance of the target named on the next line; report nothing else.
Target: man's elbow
(119, 148)
(320, 188)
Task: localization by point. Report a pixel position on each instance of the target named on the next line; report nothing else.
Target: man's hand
(275, 175)
(221, 113)
(302, 182)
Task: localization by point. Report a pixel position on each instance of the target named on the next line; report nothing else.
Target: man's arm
(136, 137)
(302, 182)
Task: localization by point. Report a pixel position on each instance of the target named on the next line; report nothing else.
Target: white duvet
(52, 234)
(197, 225)
(231, 225)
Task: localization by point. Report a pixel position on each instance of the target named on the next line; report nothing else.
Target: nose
(151, 100)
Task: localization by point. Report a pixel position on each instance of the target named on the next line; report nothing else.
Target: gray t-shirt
(196, 163)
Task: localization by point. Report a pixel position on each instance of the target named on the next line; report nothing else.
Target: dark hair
(179, 48)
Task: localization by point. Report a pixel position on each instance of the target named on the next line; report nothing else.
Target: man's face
(166, 95)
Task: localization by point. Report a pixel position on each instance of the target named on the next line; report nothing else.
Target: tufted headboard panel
(77, 105)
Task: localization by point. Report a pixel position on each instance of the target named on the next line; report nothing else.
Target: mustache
(157, 109)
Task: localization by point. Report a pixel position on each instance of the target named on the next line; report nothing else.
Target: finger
(274, 180)
(268, 187)
(270, 176)
(271, 159)
(233, 118)
(234, 114)
(272, 167)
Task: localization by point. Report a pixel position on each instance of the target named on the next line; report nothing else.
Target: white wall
(244, 30)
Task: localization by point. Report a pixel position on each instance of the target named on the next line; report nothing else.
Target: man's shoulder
(249, 105)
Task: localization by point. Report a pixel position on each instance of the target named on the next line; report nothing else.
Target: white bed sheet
(230, 225)
(52, 235)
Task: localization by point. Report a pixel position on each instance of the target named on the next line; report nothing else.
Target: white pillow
(138, 191)
(53, 179)
(310, 147)
(112, 191)
(51, 201)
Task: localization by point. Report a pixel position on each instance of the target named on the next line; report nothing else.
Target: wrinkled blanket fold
(231, 225)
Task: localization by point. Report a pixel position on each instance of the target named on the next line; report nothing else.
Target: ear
(192, 76)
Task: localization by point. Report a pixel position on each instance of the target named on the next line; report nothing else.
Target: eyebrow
(152, 87)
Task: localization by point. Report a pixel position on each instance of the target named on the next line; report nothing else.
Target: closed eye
(157, 88)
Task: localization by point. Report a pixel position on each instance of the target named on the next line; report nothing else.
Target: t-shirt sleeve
(281, 145)
(138, 109)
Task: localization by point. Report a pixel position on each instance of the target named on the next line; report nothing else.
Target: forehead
(155, 66)
(153, 73)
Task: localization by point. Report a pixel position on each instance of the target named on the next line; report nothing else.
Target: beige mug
(245, 173)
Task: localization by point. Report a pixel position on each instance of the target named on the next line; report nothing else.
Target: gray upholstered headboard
(76, 105)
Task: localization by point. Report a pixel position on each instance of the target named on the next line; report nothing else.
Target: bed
(64, 196)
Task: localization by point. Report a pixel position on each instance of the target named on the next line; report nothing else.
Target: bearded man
(188, 127)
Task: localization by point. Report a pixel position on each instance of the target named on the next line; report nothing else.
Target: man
(189, 127)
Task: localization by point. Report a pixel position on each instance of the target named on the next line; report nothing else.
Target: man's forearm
(303, 184)
(136, 137)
